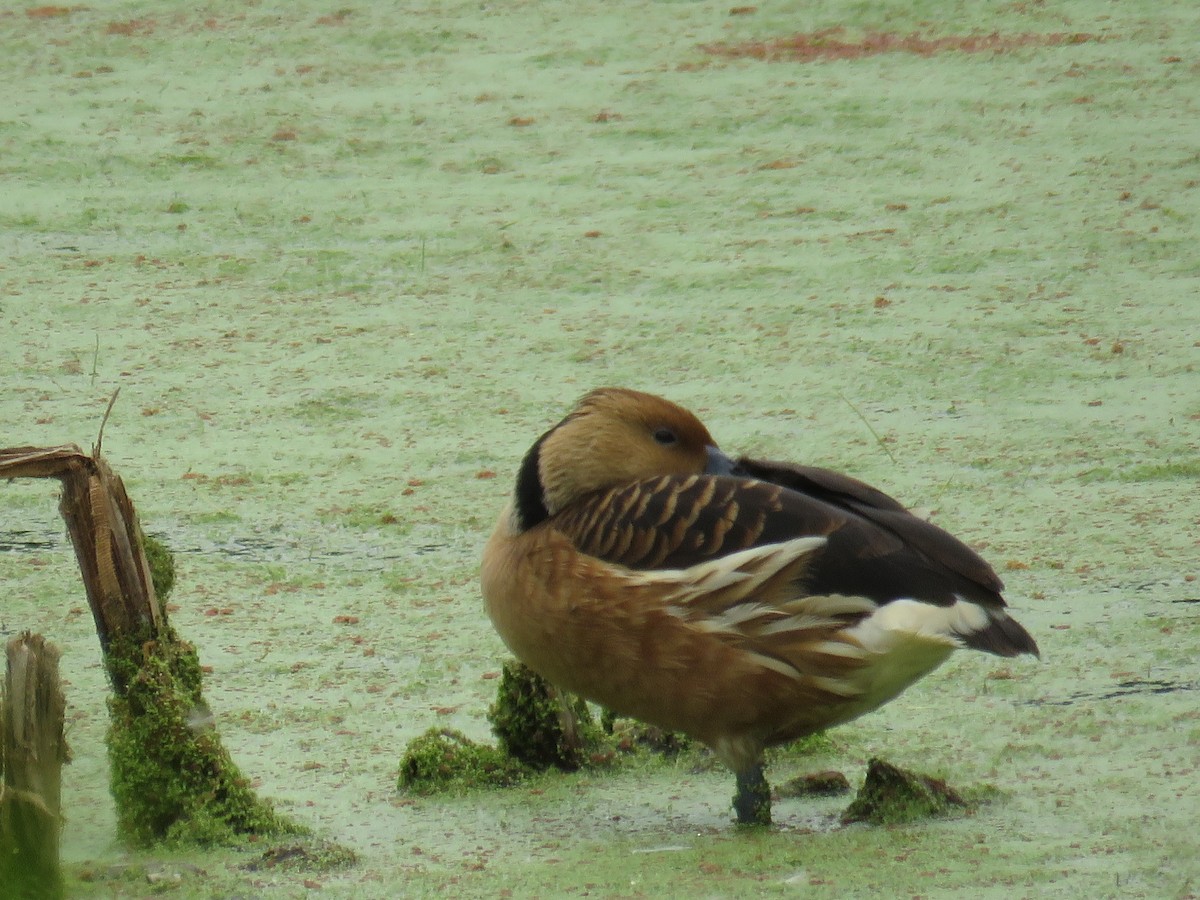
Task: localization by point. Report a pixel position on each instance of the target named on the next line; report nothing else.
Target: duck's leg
(752, 802)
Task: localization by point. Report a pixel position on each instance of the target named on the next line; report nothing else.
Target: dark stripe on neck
(530, 499)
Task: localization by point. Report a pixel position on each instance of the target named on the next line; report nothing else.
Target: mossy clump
(894, 796)
(443, 760)
(541, 725)
(162, 566)
(829, 783)
(172, 779)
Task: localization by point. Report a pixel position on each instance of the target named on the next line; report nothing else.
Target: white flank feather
(905, 640)
(747, 568)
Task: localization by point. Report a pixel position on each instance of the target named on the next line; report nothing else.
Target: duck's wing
(862, 500)
(874, 548)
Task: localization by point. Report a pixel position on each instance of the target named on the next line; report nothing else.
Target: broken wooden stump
(105, 534)
(171, 777)
(32, 753)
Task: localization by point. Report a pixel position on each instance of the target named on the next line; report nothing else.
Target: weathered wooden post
(171, 776)
(32, 753)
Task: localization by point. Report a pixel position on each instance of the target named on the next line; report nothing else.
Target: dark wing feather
(824, 484)
(875, 548)
(873, 504)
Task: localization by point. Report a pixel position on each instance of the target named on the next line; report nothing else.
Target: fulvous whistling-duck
(743, 603)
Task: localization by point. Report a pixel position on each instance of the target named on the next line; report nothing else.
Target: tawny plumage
(745, 604)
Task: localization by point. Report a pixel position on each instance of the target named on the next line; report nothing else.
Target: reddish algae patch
(829, 44)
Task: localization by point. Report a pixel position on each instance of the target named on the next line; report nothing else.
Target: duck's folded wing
(874, 547)
(825, 484)
(862, 499)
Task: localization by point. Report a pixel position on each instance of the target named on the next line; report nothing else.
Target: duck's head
(613, 436)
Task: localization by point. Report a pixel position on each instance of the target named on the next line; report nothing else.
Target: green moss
(1132, 466)
(443, 760)
(810, 744)
(29, 863)
(894, 796)
(366, 516)
(334, 407)
(538, 727)
(172, 780)
(162, 565)
(1182, 470)
(538, 724)
(829, 783)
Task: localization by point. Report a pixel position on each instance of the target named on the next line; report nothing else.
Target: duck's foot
(752, 802)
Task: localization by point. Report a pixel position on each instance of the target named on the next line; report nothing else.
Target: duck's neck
(529, 499)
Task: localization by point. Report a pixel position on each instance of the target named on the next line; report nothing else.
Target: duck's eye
(665, 436)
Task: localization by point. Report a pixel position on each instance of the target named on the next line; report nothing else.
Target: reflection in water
(368, 554)
(1129, 688)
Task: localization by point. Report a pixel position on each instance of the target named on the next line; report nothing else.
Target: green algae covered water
(345, 264)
